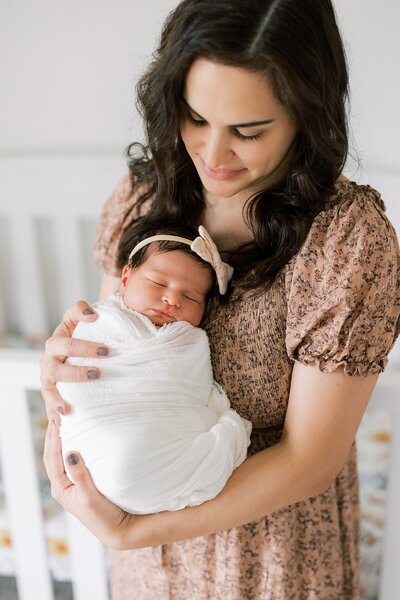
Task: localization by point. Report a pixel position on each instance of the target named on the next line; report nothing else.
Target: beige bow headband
(203, 246)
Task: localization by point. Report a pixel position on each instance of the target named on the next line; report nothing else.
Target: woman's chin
(222, 189)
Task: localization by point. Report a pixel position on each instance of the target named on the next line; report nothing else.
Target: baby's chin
(160, 321)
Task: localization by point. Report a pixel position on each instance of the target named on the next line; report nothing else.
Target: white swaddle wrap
(155, 431)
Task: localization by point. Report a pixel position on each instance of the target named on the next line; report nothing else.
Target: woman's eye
(240, 136)
(196, 122)
(236, 132)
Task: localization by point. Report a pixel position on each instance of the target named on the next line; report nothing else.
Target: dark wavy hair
(297, 45)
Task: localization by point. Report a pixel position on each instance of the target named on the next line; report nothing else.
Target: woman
(244, 108)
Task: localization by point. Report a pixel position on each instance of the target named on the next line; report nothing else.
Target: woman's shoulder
(343, 285)
(355, 215)
(348, 193)
(350, 244)
(119, 210)
(123, 199)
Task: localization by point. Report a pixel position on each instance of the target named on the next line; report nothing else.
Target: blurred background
(67, 112)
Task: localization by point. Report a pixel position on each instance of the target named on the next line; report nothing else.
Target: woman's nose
(216, 149)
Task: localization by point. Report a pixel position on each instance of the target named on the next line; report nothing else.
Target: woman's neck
(223, 219)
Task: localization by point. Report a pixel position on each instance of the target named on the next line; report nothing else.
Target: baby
(156, 431)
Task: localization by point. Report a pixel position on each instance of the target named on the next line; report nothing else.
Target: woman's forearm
(267, 481)
(320, 427)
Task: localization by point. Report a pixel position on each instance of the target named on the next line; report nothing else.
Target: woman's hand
(109, 523)
(58, 347)
(105, 520)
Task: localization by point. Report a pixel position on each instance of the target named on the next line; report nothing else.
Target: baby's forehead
(183, 266)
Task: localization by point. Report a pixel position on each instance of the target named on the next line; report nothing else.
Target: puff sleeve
(116, 214)
(343, 293)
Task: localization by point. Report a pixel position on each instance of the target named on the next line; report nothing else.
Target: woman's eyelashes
(196, 121)
(201, 123)
(239, 135)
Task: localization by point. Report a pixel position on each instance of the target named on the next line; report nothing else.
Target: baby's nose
(172, 297)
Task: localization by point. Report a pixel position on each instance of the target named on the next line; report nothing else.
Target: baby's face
(167, 287)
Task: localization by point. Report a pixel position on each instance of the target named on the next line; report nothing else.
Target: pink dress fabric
(336, 303)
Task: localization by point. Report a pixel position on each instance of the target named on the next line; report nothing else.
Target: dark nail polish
(60, 410)
(88, 311)
(102, 351)
(72, 459)
(92, 374)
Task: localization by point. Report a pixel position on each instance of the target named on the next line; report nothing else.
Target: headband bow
(203, 246)
(208, 251)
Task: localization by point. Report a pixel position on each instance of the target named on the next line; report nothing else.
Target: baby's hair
(167, 228)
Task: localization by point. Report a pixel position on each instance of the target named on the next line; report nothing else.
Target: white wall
(68, 71)
(371, 33)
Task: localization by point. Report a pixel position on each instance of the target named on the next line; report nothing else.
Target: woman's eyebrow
(248, 124)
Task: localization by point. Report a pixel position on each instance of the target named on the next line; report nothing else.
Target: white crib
(19, 372)
(48, 207)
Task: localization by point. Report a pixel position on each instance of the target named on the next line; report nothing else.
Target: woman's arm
(323, 415)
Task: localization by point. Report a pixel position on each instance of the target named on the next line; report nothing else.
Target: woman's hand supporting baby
(58, 347)
(81, 498)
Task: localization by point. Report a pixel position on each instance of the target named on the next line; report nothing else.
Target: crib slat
(5, 252)
(89, 577)
(19, 371)
(3, 308)
(30, 304)
(69, 254)
(33, 579)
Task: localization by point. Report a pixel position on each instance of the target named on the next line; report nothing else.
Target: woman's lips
(220, 174)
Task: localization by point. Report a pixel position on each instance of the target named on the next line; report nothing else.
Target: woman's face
(234, 129)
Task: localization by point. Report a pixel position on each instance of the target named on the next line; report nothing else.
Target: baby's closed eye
(159, 283)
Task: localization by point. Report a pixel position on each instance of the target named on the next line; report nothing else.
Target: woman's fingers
(61, 486)
(55, 405)
(80, 311)
(80, 474)
(54, 465)
(62, 345)
(54, 369)
(81, 496)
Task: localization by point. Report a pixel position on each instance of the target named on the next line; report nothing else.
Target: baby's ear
(124, 277)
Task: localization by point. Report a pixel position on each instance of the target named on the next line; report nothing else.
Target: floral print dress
(336, 303)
